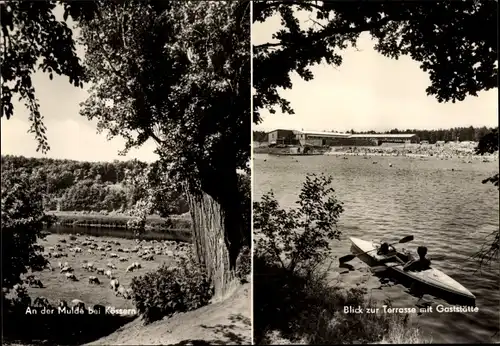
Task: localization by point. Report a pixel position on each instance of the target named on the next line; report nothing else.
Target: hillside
(103, 187)
(222, 323)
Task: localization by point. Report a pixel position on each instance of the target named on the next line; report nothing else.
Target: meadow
(99, 251)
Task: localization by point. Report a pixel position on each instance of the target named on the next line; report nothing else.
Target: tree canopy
(443, 36)
(177, 73)
(34, 40)
(488, 144)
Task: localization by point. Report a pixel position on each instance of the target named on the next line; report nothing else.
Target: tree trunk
(217, 229)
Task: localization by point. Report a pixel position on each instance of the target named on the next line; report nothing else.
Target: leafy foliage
(245, 200)
(244, 264)
(260, 136)
(21, 300)
(94, 186)
(178, 73)
(442, 36)
(488, 143)
(171, 290)
(298, 238)
(309, 308)
(491, 248)
(188, 91)
(33, 39)
(23, 219)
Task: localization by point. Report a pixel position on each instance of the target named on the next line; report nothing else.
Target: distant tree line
(260, 136)
(452, 134)
(69, 185)
(447, 135)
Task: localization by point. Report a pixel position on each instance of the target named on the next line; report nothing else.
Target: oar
(379, 269)
(436, 257)
(348, 258)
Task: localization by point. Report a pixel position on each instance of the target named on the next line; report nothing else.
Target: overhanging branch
(332, 30)
(269, 4)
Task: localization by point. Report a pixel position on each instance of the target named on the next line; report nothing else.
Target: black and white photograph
(126, 187)
(375, 172)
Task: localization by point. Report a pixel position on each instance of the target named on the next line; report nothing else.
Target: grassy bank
(153, 222)
(305, 309)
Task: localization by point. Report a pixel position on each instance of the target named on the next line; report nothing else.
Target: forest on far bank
(462, 133)
(69, 185)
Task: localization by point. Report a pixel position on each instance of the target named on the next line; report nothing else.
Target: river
(441, 202)
(178, 235)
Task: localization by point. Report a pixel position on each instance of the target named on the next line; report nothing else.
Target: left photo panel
(126, 196)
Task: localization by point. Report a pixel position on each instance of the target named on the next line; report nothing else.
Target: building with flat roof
(281, 136)
(318, 138)
(389, 137)
(322, 138)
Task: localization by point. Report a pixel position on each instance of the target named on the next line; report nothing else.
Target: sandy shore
(464, 151)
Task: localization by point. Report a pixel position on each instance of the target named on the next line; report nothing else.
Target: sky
(370, 92)
(367, 92)
(70, 135)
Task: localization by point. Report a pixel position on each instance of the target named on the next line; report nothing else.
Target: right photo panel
(375, 172)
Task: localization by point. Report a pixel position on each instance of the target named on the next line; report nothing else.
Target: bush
(170, 290)
(22, 221)
(245, 198)
(306, 308)
(244, 264)
(298, 239)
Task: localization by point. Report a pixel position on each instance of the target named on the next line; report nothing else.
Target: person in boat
(422, 263)
(385, 250)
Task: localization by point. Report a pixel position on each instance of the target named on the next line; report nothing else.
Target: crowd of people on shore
(443, 151)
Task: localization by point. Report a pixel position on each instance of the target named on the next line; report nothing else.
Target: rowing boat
(431, 279)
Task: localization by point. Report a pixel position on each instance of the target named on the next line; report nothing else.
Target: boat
(432, 280)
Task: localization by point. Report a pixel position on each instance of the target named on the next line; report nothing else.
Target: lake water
(121, 233)
(449, 211)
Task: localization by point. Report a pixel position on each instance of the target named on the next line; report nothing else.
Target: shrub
(298, 239)
(245, 198)
(22, 221)
(244, 264)
(169, 290)
(307, 308)
(19, 301)
(140, 212)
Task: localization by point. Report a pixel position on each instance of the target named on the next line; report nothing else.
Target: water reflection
(183, 236)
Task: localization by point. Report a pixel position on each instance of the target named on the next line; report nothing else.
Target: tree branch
(156, 138)
(329, 31)
(122, 25)
(108, 60)
(267, 45)
(269, 5)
